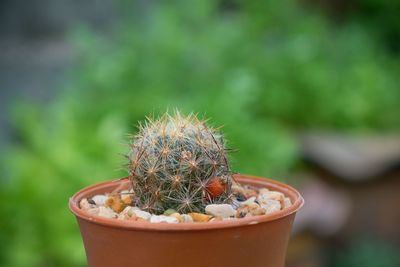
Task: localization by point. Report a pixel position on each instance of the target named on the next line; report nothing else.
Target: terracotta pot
(253, 241)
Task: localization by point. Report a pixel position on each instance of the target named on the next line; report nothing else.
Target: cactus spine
(174, 160)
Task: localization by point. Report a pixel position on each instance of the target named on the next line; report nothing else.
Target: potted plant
(181, 205)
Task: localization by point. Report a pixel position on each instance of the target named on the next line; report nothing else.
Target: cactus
(178, 162)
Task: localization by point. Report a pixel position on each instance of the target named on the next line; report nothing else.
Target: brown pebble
(200, 217)
(109, 201)
(241, 212)
(115, 203)
(126, 199)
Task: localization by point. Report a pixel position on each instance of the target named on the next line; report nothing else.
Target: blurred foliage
(380, 17)
(264, 69)
(367, 252)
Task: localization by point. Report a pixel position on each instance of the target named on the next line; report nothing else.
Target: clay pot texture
(250, 242)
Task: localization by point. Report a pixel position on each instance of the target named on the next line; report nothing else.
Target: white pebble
(94, 211)
(220, 210)
(163, 218)
(85, 205)
(271, 205)
(265, 196)
(287, 202)
(99, 199)
(107, 212)
(141, 214)
(125, 214)
(247, 202)
(187, 218)
(263, 190)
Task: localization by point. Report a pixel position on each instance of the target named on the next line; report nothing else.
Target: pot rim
(243, 179)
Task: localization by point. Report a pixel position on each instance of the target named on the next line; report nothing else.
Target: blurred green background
(266, 70)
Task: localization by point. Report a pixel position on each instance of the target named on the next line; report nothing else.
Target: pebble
(238, 189)
(107, 212)
(241, 212)
(141, 214)
(100, 200)
(127, 199)
(200, 217)
(125, 214)
(187, 218)
(163, 218)
(220, 210)
(115, 203)
(252, 209)
(235, 204)
(169, 212)
(216, 219)
(266, 196)
(177, 216)
(248, 193)
(247, 202)
(263, 190)
(256, 209)
(271, 205)
(131, 211)
(287, 202)
(85, 205)
(93, 211)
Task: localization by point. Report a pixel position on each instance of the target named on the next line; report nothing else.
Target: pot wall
(256, 241)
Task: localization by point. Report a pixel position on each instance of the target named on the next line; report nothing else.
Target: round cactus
(178, 162)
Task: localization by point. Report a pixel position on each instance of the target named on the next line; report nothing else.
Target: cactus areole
(178, 162)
